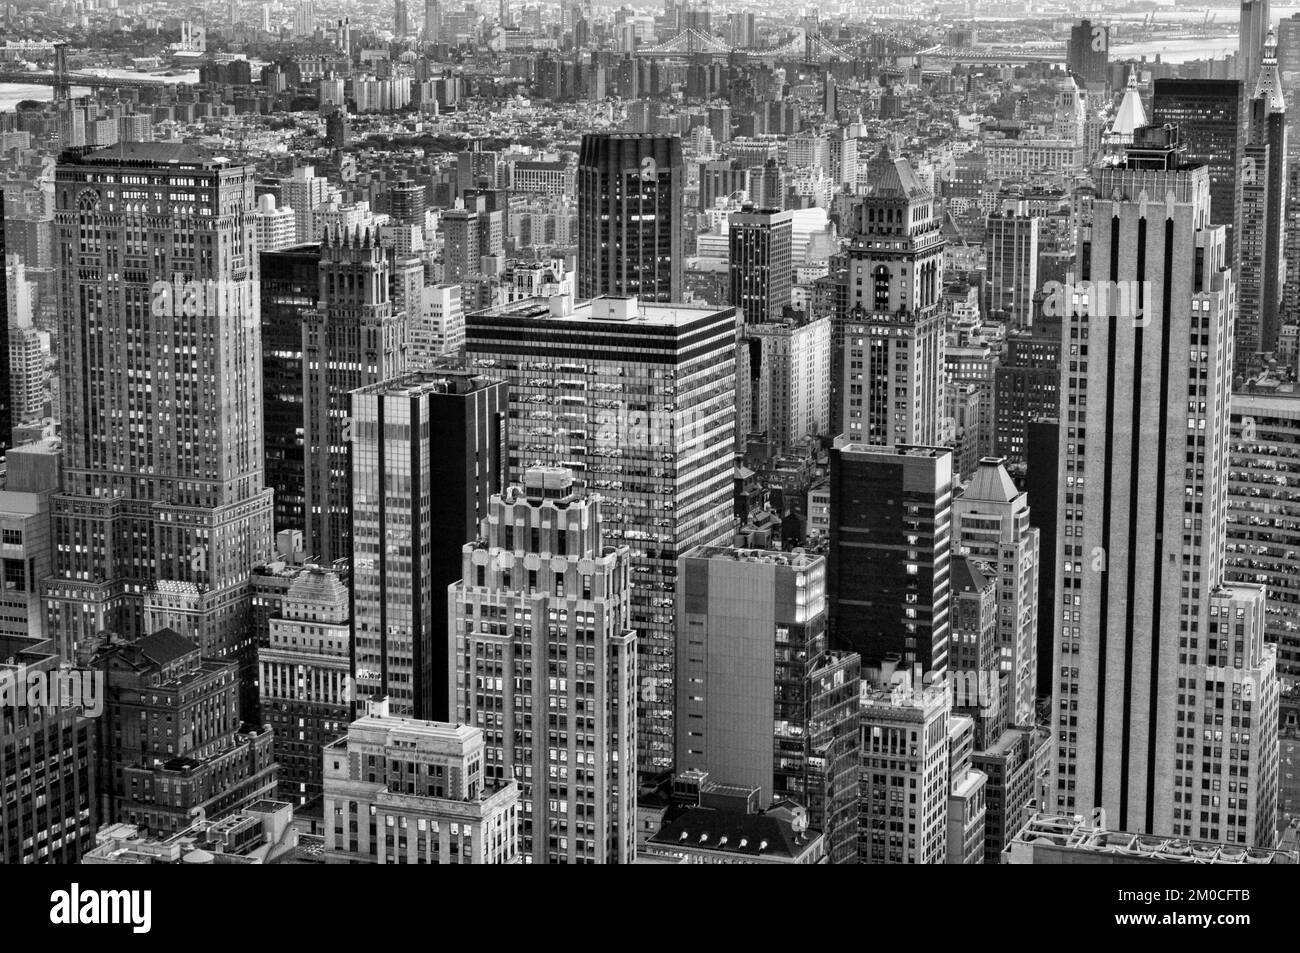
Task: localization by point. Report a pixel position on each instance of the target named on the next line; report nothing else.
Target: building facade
(637, 399)
(543, 661)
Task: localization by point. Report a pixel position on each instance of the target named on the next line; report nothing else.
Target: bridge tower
(60, 72)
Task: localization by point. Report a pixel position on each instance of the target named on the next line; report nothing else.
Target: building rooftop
(735, 832)
(317, 585)
(1071, 832)
(991, 483)
(604, 310)
(156, 153)
(772, 557)
(419, 383)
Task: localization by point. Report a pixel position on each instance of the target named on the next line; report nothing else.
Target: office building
(976, 363)
(782, 389)
(304, 679)
(1087, 53)
(1011, 267)
(1263, 529)
(904, 749)
(890, 549)
(428, 452)
(979, 687)
(433, 22)
(638, 400)
(305, 192)
(967, 794)
(353, 338)
(1012, 763)
(1260, 225)
(471, 233)
(49, 814)
(991, 527)
(407, 791)
(1070, 839)
(276, 227)
(406, 203)
(26, 550)
(28, 351)
(1027, 386)
(290, 284)
(1256, 24)
(759, 263)
(437, 328)
(888, 345)
(163, 512)
(1211, 118)
(170, 740)
(6, 411)
(723, 834)
(761, 701)
(1153, 649)
(543, 608)
(630, 202)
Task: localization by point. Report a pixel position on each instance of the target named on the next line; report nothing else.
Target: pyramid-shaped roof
(991, 483)
(1131, 115)
(1269, 85)
(900, 179)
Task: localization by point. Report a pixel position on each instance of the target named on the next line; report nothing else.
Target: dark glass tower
(888, 571)
(290, 283)
(1211, 118)
(629, 216)
(427, 454)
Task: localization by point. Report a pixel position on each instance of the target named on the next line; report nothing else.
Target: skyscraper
(890, 549)
(764, 704)
(638, 400)
(782, 389)
(990, 526)
(629, 216)
(290, 283)
(351, 339)
(305, 679)
(1261, 217)
(1211, 118)
(543, 658)
(1088, 53)
(760, 263)
(163, 513)
(427, 455)
(6, 409)
(1011, 266)
(888, 346)
(1255, 25)
(432, 21)
(406, 203)
(905, 739)
(1152, 649)
(1027, 386)
(1263, 532)
(52, 816)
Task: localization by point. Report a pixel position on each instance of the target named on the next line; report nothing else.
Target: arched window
(880, 294)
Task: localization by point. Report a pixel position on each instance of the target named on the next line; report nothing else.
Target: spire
(1269, 85)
